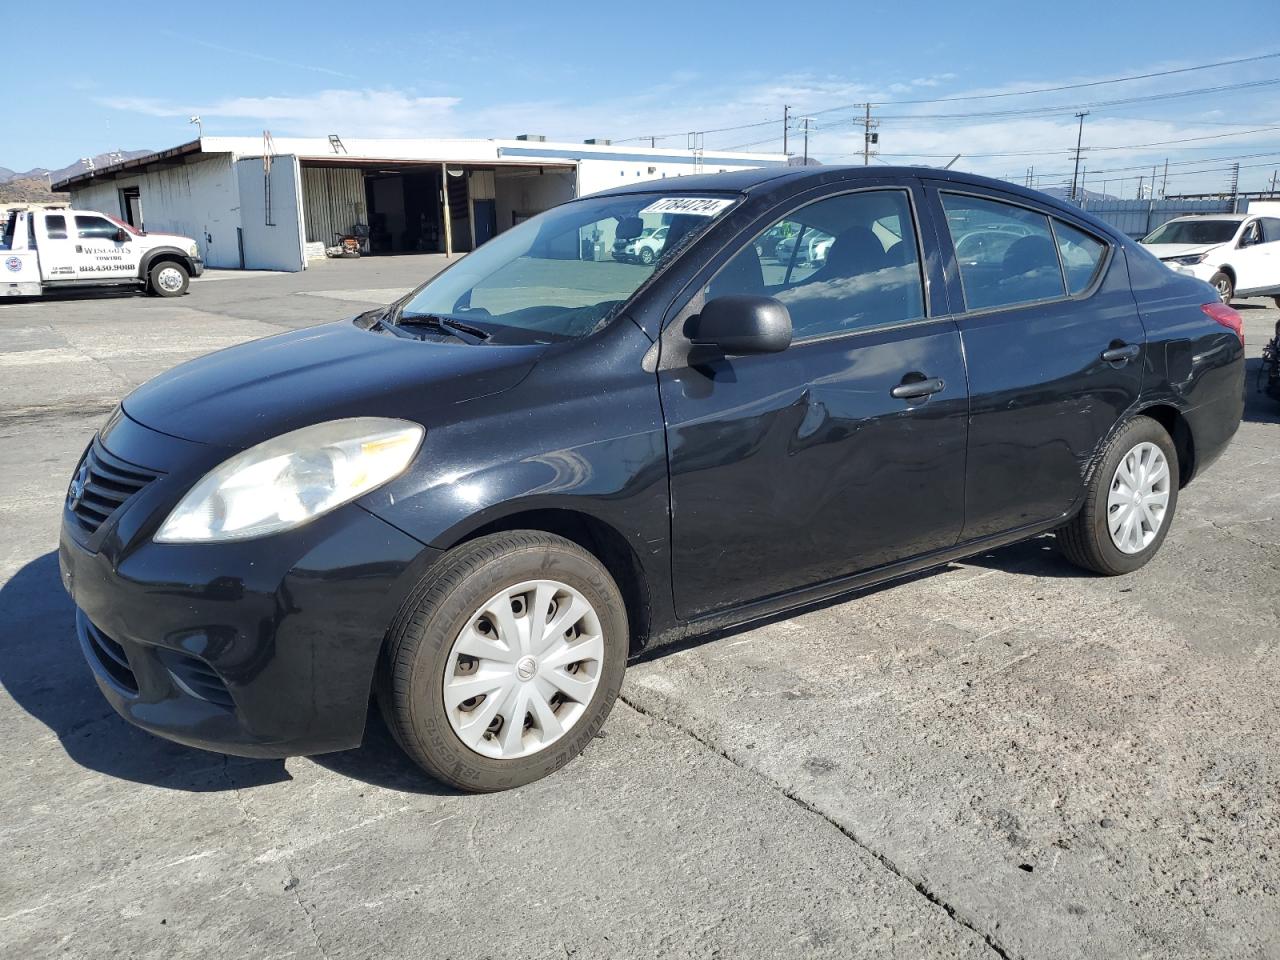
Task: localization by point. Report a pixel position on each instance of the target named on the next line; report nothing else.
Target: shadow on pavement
(43, 671)
(1258, 407)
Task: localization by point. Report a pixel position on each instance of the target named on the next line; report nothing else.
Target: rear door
(57, 248)
(1259, 260)
(799, 467)
(1054, 348)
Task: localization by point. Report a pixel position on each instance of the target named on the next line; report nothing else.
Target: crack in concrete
(917, 884)
(293, 882)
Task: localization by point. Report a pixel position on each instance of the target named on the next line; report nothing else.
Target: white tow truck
(43, 250)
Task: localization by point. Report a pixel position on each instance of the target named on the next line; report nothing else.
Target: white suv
(1236, 252)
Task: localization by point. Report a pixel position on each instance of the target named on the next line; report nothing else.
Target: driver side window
(839, 264)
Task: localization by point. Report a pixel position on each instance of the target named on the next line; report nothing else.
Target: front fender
(168, 253)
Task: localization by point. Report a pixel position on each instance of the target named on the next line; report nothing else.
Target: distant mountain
(29, 190)
(101, 160)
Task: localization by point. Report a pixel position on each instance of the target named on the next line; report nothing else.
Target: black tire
(412, 671)
(174, 283)
(1086, 540)
(1222, 282)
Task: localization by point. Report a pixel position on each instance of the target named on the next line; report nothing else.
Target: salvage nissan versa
(475, 505)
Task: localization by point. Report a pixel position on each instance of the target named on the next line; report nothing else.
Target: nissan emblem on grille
(76, 490)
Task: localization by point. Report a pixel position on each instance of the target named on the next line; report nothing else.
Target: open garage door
(270, 213)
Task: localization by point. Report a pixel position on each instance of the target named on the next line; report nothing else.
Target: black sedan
(476, 505)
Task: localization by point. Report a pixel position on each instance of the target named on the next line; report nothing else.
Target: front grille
(197, 678)
(110, 655)
(102, 485)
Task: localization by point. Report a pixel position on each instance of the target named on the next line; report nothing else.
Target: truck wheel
(1222, 283)
(1129, 503)
(168, 279)
(505, 661)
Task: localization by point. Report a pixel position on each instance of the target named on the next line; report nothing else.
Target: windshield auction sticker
(689, 206)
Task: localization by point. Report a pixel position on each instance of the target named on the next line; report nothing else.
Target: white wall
(278, 245)
(529, 192)
(596, 175)
(199, 200)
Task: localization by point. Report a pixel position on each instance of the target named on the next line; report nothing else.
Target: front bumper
(264, 648)
(197, 266)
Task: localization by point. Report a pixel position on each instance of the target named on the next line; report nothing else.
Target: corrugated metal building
(257, 203)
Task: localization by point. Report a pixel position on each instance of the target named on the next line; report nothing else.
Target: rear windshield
(1194, 231)
(566, 272)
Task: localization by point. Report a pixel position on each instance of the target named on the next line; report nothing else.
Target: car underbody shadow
(380, 762)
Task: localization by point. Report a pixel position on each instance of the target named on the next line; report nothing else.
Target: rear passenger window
(1081, 255)
(1006, 254)
(1270, 229)
(56, 227)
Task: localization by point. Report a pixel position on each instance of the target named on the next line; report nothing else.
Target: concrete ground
(1004, 758)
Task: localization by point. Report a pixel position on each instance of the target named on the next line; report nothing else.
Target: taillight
(1219, 312)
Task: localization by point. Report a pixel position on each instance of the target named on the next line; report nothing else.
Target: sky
(100, 77)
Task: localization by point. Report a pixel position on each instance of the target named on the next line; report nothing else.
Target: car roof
(1212, 216)
(797, 178)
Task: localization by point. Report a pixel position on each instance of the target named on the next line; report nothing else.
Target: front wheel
(1129, 503)
(1222, 283)
(646, 256)
(169, 279)
(505, 662)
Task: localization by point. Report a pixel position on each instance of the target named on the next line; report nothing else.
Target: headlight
(193, 250)
(291, 479)
(1191, 260)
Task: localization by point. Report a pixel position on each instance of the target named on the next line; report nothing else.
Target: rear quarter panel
(1193, 363)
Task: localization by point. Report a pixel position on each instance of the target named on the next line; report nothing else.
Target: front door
(1054, 347)
(104, 250)
(842, 453)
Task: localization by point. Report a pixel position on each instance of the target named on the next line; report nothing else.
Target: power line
(1067, 86)
(1014, 93)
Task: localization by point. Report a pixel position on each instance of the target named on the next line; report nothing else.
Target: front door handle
(1122, 353)
(913, 389)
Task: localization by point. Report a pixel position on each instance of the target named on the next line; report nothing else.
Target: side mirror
(738, 325)
(122, 235)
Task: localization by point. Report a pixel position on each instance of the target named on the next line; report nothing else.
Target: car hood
(249, 393)
(1166, 250)
(165, 240)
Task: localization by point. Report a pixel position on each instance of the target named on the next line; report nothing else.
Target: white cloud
(692, 102)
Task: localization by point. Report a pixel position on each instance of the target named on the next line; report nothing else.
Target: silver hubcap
(1224, 290)
(169, 279)
(523, 670)
(1139, 498)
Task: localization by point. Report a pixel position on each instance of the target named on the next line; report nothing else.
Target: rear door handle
(1121, 354)
(917, 388)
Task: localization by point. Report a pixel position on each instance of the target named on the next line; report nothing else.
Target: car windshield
(559, 275)
(1194, 231)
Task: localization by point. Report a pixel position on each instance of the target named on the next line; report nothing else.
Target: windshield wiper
(463, 331)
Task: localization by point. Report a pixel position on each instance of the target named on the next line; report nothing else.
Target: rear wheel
(169, 279)
(506, 661)
(1129, 504)
(1223, 284)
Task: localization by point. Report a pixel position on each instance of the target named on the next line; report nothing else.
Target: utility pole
(1084, 194)
(1164, 184)
(1273, 181)
(1079, 136)
(786, 121)
(868, 137)
(1235, 186)
(806, 121)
